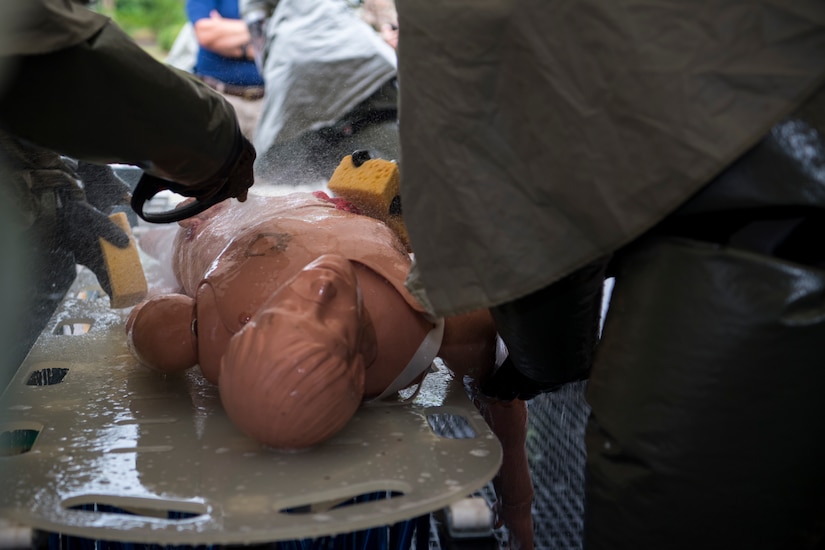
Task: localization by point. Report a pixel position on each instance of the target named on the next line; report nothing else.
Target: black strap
(148, 186)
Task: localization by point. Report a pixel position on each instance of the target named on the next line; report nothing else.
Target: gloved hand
(508, 383)
(103, 188)
(233, 181)
(79, 227)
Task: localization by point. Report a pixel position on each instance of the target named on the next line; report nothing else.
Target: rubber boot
(708, 416)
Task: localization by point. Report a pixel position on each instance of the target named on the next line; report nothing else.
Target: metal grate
(555, 445)
(556, 453)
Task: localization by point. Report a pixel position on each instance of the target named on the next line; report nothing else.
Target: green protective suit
(540, 135)
(73, 82)
(540, 139)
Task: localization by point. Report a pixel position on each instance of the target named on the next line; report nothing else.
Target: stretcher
(94, 445)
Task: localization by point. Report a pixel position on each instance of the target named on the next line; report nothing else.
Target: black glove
(507, 383)
(80, 226)
(231, 181)
(103, 188)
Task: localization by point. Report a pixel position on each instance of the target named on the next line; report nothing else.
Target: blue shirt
(240, 72)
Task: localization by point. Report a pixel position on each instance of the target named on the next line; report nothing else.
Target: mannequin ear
(161, 335)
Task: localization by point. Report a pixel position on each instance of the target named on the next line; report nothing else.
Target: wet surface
(99, 447)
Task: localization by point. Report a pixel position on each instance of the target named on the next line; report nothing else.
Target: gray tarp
(321, 61)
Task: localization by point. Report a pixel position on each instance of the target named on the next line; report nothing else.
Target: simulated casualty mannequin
(297, 310)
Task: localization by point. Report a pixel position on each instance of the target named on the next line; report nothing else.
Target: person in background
(546, 145)
(382, 16)
(333, 89)
(116, 104)
(225, 58)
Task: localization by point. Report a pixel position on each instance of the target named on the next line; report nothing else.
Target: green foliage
(161, 19)
(167, 35)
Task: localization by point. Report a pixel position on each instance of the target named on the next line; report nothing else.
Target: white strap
(423, 358)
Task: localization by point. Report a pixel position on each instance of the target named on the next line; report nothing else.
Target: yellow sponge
(125, 270)
(372, 186)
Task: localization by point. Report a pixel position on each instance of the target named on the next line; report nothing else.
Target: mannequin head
(161, 333)
(293, 376)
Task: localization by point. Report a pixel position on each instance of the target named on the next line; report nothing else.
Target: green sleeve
(43, 26)
(106, 100)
